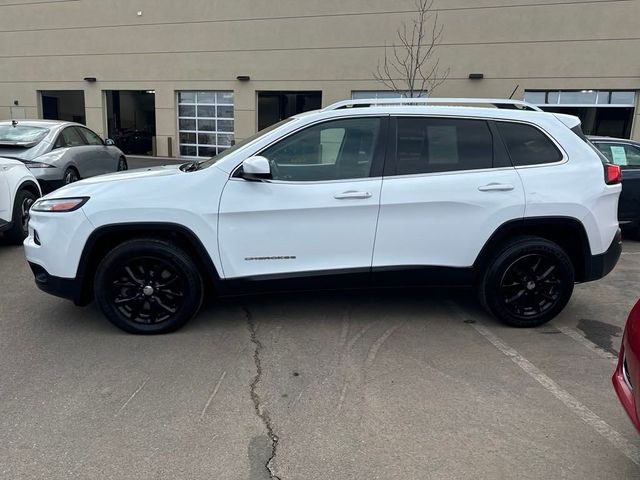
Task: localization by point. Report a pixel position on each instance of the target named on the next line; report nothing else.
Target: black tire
(21, 204)
(528, 282)
(122, 164)
(70, 175)
(127, 287)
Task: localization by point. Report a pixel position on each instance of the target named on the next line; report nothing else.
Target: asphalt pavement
(391, 384)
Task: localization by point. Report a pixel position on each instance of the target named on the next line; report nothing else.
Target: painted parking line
(578, 337)
(627, 448)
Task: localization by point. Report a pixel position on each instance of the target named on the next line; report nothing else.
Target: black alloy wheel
(530, 286)
(528, 282)
(147, 290)
(148, 286)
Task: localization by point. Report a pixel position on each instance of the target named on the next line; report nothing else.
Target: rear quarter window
(527, 145)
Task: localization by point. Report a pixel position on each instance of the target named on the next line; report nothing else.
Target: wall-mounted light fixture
(243, 78)
(90, 79)
(476, 76)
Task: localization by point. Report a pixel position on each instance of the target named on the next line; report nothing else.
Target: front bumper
(69, 288)
(598, 266)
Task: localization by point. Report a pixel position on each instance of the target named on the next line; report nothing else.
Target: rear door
(627, 156)
(449, 187)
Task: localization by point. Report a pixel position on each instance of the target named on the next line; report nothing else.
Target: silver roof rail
(496, 102)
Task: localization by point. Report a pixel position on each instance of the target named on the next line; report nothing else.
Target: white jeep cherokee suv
(18, 190)
(371, 193)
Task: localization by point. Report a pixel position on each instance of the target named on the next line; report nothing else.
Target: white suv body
(18, 190)
(372, 194)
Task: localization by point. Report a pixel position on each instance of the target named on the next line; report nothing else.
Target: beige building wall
(328, 45)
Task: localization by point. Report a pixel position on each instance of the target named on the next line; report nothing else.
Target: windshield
(22, 134)
(237, 146)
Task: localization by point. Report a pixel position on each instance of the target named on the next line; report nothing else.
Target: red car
(627, 373)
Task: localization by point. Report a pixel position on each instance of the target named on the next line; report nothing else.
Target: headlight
(59, 204)
(38, 165)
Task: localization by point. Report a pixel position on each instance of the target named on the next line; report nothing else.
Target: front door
(450, 187)
(318, 214)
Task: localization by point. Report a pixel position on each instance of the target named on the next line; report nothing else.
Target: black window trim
(562, 151)
(499, 149)
(380, 156)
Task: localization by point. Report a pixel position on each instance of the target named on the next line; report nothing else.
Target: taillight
(613, 174)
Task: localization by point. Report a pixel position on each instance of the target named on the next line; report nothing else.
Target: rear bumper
(598, 266)
(69, 288)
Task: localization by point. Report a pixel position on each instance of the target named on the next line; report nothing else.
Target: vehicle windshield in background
(220, 156)
(19, 134)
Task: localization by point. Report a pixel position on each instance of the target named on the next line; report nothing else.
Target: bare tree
(410, 66)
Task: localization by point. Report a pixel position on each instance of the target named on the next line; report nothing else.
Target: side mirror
(108, 142)
(256, 169)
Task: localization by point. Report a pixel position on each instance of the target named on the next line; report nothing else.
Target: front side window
(621, 154)
(527, 145)
(70, 137)
(334, 150)
(429, 145)
(90, 137)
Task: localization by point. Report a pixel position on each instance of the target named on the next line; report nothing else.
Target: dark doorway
(131, 120)
(63, 105)
(276, 106)
(604, 121)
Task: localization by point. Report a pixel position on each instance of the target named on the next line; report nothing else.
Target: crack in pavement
(261, 412)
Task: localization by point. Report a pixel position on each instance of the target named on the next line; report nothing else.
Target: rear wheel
(21, 205)
(148, 286)
(70, 175)
(528, 282)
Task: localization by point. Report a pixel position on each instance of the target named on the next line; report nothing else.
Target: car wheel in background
(70, 175)
(528, 282)
(122, 164)
(21, 205)
(148, 286)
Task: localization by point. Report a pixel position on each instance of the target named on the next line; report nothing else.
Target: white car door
(317, 214)
(449, 189)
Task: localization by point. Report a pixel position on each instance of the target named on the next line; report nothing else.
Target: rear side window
(527, 145)
(429, 145)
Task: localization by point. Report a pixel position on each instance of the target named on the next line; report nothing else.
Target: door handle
(351, 194)
(496, 187)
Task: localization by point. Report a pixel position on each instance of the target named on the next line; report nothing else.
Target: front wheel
(21, 205)
(148, 286)
(122, 164)
(528, 282)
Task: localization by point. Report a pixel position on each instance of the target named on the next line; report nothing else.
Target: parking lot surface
(393, 384)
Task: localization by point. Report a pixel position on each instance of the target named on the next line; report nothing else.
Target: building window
(602, 112)
(205, 122)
